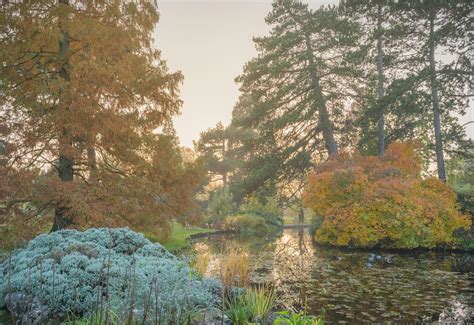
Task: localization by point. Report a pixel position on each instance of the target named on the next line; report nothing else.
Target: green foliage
(316, 223)
(460, 174)
(237, 311)
(253, 306)
(290, 318)
(260, 301)
(269, 209)
(247, 224)
(220, 204)
(283, 100)
(213, 146)
(383, 202)
(178, 237)
(257, 217)
(70, 270)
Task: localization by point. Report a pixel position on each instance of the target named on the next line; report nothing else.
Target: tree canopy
(87, 103)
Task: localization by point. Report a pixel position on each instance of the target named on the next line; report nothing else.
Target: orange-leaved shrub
(370, 201)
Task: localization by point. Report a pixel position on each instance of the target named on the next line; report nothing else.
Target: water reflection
(351, 287)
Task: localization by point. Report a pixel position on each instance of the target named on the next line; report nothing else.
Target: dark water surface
(351, 286)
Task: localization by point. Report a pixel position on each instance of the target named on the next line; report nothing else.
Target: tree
(213, 146)
(82, 92)
(294, 94)
(380, 41)
(443, 79)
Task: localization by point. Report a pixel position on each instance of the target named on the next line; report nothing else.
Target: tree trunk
(324, 120)
(224, 173)
(62, 217)
(380, 86)
(301, 215)
(92, 162)
(435, 104)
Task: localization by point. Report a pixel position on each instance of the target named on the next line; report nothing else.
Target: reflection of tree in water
(351, 285)
(259, 248)
(292, 267)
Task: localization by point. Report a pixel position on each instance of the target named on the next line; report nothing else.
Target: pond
(351, 286)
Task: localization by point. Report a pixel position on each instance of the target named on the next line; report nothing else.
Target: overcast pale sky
(210, 41)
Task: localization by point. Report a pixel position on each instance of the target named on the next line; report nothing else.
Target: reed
(235, 269)
(201, 263)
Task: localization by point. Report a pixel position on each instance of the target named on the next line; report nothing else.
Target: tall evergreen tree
(404, 104)
(213, 145)
(295, 91)
(442, 32)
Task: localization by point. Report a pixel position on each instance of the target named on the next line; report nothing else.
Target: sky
(209, 41)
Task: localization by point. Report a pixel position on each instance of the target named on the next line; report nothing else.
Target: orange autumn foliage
(382, 202)
(83, 95)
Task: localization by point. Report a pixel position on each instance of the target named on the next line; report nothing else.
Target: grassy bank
(178, 236)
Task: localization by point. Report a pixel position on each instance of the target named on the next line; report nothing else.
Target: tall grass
(235, 269)
(201, 263)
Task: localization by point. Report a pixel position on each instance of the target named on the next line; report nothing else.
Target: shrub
(71, 271)
(237, 311)
(247, 223)
(260, 300)
(316, 223)
(461, 178)
(373, 201)
(268, 209)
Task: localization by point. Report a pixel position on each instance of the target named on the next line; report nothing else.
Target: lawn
(178, 236)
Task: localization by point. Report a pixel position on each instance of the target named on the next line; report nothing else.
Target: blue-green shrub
(74, 272)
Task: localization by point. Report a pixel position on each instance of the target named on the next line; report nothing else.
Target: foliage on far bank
(369, 201)
(256, 215)
(220, 205)
(178, 237)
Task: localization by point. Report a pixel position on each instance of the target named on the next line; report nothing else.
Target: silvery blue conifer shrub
(75, 272)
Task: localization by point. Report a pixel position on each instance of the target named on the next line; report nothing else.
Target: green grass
(178, 236)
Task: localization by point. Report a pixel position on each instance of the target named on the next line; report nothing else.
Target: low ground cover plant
(291, 318)
(74, 272)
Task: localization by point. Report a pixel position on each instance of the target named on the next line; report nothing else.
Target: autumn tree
(82, 94)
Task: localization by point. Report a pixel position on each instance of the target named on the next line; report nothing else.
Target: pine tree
(405, 111)
(213, 146)
(294, 93)
(441, 30)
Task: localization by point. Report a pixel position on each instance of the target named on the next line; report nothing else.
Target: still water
(351, 287)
